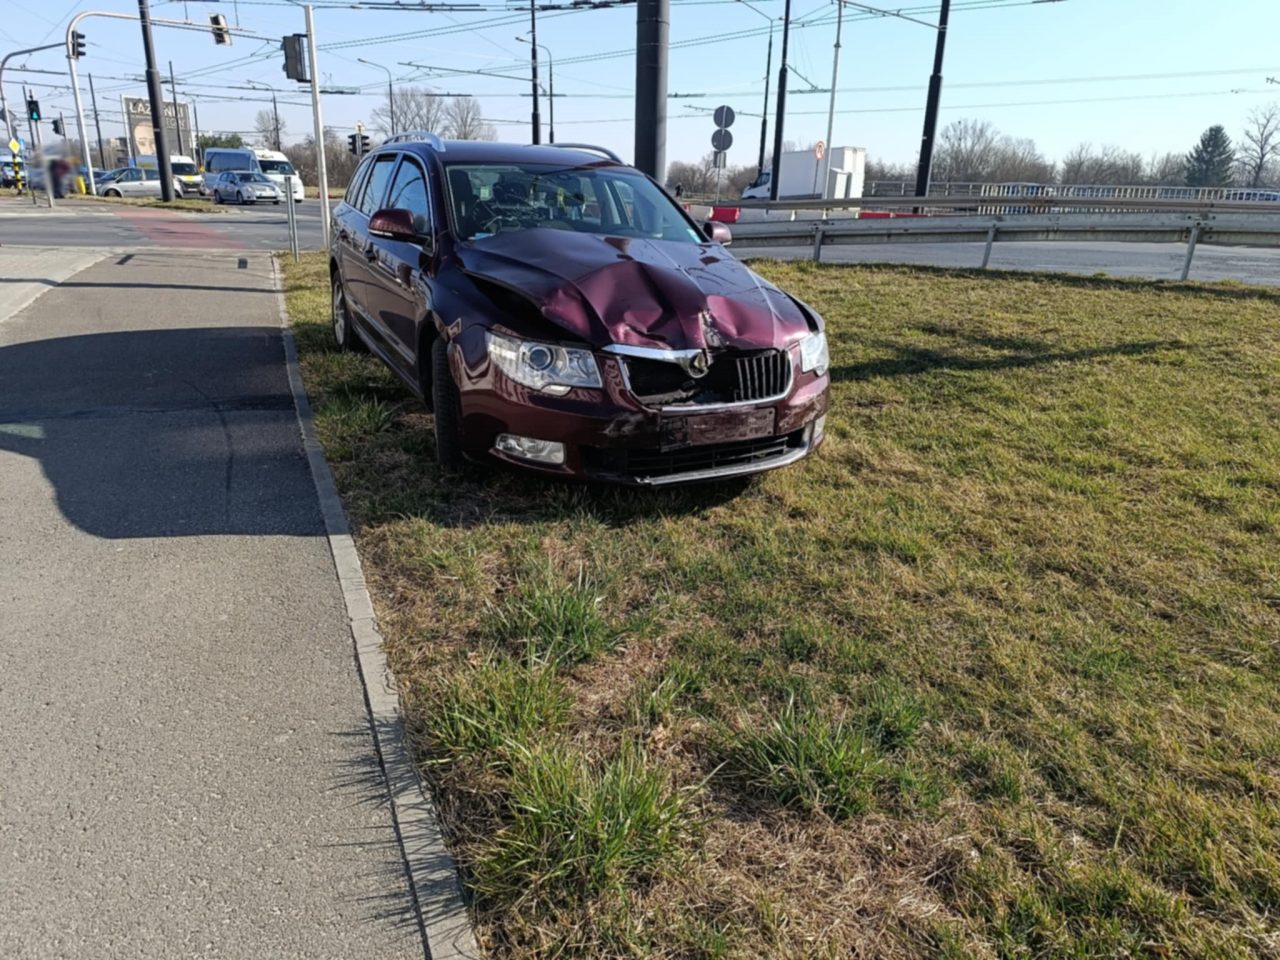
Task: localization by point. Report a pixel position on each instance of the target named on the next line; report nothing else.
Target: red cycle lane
(177, 230)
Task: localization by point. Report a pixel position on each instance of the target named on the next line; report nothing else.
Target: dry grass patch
(994, 675)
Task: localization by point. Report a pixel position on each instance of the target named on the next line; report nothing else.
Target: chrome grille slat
(733, 377)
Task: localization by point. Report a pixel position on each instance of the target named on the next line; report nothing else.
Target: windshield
(251, 178)
(183, 169)
(494, 198)
(282, 167)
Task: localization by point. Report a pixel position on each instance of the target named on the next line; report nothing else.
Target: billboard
(142, 138)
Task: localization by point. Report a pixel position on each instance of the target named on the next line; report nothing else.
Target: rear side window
(357, 181)
(377, 188)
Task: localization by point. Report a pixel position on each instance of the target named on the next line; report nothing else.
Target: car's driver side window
(409, 192)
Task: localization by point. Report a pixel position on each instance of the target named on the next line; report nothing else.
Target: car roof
(489, 151)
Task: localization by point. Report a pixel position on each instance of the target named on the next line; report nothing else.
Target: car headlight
(814, 356)
(548, 367)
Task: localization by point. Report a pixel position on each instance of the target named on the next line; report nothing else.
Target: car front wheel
(343, 333)
(239, 197)
(447, 405)
(217, 197)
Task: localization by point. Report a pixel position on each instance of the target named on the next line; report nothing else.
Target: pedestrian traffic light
(295, 62)
(221, 35)
(77, 45)
(33, 108)
(364, 144)
(58, 128)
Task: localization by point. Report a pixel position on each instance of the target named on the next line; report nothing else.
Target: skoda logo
(698, 364)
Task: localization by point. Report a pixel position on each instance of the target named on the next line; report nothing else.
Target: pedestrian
(679, 189)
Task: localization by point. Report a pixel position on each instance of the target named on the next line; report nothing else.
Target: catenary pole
(925, 171)
(97, 125)
(177, 114)
(780, 116)
(764, 113)
(831, 107)
(533, 64)
(157, 104)
(653, 20)
(322, 172)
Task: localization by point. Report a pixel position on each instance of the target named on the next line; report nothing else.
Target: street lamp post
(551, 85)
(391, 103)
(275, 109)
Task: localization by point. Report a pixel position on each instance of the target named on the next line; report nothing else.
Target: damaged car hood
(639, 292)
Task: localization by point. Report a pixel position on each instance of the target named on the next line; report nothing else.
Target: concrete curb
(432, 874)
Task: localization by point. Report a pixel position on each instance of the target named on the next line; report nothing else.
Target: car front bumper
(610, 436)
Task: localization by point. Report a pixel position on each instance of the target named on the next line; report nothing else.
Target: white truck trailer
(801, 175)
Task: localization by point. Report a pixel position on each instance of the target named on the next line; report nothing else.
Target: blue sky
(1147, 75)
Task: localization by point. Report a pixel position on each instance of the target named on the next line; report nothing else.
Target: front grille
(642, 464)
(731, 378)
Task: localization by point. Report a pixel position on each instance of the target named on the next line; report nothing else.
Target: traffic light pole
(156, 96)
(33, 130)
(4, 104)
(322, 172)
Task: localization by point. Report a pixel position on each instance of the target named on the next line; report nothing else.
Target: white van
(277, 166)
(220, 160)
(186, 175)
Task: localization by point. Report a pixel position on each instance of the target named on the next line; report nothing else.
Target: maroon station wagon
(558, 311)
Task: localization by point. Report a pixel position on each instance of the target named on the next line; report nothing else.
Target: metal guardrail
(1227, 226)
(905, 188)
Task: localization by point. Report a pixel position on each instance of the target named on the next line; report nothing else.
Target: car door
(129, 182)
(355, 242)
(397, 292)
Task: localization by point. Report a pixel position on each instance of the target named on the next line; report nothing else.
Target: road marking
(433, 875)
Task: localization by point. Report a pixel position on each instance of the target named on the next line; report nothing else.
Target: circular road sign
(820, 149)
(724, 117)
(722, 139)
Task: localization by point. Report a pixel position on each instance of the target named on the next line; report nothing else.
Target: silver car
(135, 182)
(244, 186)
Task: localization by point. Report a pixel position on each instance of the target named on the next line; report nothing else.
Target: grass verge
(181, 205)
(994, 675)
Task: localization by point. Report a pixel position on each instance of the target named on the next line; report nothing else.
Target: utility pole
(533, 60)
(831, 108)
(931, 107)
(764, 113)
(195, 134)
(653, 20)
(322, 172)
(97, 124)
(177, 116)
(157, 105)
(780, 116)
(275, 112)
(391, 99)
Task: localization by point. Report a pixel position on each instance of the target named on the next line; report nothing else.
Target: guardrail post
(1191, 250)
(817, 244)
(986, 254)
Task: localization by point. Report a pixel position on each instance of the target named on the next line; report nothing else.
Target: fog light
(527, 448)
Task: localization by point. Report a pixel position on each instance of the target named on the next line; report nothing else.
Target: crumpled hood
(645, 293)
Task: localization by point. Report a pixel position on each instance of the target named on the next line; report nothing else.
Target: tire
(344, 334)
(114, 193)
(447, 404)
(217, 197)
(239, 198)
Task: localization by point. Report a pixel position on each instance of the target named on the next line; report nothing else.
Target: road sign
(820, 149)
(724, 117)
(14, 147)
(721, 140)
(718, 160)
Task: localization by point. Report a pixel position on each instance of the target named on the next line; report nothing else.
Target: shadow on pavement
(164, 433)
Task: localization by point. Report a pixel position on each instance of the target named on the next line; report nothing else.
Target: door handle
(343, 234)
(371, 253)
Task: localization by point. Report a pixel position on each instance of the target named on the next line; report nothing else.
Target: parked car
(244, 186)
(101, 177)
(560, 312)
(135, 182)
(276, 166)
(186, 176)
(220, 160)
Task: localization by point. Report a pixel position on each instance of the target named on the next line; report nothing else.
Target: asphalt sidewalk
(186, 766)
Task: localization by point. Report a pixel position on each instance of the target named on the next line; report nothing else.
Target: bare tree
(1260, 144)
(264, 126)
(1019, 160)
(966, 150)
(464, 121)
(417, 108)
(1102, 165)
(1167, 170)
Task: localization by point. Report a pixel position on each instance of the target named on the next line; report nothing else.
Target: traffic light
(221, 35)
(33, 108)
(353, 143)
(58, 128)
(77, 45)
(364, 144)
(295, 59)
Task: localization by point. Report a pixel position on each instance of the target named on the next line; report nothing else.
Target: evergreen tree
(1211, 162)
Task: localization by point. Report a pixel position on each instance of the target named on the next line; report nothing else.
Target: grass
(180, 204)
(992, 676)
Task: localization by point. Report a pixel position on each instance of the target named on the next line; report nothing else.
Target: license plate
(698, 429)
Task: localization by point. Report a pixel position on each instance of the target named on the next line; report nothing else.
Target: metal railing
(1178, 221)
(903, 188)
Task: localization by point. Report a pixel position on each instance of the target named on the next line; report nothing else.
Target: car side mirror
(718, 232)
(394, 223)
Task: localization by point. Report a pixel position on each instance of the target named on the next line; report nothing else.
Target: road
(88, 224)
(188, 765)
